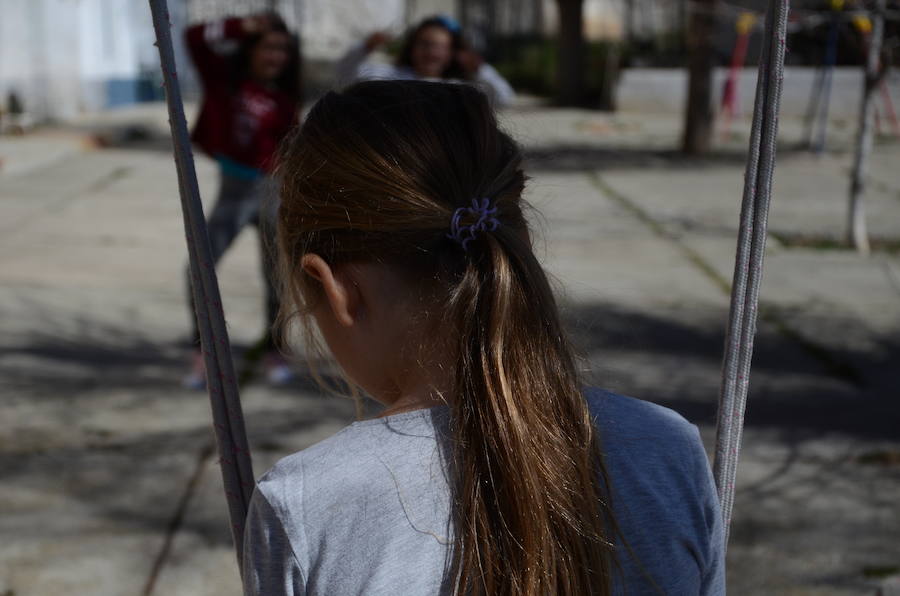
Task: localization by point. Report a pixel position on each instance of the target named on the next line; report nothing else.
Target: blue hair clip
(449, 22)
(486, 222)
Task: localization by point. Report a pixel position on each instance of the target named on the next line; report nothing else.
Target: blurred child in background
(250, 71)
(433, 50)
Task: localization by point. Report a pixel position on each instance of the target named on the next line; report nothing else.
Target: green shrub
(529, 63)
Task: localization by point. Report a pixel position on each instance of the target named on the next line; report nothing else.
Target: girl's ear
(340, 292)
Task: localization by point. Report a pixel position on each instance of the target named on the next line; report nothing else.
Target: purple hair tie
(486, 222)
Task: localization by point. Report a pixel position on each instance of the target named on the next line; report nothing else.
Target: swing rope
(234, 453)
(750, 253)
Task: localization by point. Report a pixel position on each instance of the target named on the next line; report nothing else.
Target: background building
(64, 57)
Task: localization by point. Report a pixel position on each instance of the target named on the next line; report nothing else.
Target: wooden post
(629, 21)
(698, 121)
(537, 17)
(570, 59)
(857, 234)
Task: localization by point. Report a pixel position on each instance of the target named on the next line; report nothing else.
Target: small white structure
(62, 57)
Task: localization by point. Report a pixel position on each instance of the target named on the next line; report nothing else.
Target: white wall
(329, 27)
(60, 55)
(36, 60)
(326, 26)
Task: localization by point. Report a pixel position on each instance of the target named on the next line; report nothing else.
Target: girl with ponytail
(491, 470)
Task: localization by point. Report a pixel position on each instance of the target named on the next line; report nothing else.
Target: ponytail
(530, 513)
(385, 171)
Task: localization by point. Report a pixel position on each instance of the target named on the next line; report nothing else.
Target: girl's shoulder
(623, 417)
(643, 442)
(623, 422)
(355, 459)
(661, 485)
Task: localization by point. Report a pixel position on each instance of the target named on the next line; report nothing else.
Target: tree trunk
(537, 17)
(856, 216)
(570, 65)
(409, 11)
(462, 11)
(490, 13)
(698, 122)
(629, 21)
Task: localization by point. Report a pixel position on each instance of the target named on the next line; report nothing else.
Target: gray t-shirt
(367, 511)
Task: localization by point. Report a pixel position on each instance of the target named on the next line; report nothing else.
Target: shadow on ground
(583, 158)
(57, 387)
(791, 391)
(794, 398)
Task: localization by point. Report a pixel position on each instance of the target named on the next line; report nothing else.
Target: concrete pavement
(108, 485)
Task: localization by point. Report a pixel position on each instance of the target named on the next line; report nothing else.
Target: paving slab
(583, 238)
(20, 155)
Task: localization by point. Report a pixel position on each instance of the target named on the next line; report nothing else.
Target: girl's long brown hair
(375, 174)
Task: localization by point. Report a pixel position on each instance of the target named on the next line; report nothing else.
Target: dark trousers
(241, 202)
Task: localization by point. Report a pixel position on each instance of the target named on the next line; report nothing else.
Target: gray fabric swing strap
(234, 454)
(748, 265)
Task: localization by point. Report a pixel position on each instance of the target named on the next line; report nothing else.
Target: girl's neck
(425, 384)
(412, 403)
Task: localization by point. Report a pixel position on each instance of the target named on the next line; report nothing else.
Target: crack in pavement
(834, 366)
(203, 457)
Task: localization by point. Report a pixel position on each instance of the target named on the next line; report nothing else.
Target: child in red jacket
(250, 72)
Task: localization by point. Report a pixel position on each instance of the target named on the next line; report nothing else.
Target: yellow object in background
(862, 23)
(745, 22)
